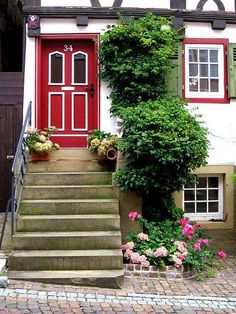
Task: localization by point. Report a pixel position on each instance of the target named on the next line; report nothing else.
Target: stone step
(71, 178)
(73, 153)
(68, 192)
(79, 240)
(68, 165)
(68, 223)
(66, 260)
(69, 206)
(113, 279)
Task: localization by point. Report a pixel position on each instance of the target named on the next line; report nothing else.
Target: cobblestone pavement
(139, 295)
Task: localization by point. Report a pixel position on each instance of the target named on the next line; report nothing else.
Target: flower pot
(40, 157)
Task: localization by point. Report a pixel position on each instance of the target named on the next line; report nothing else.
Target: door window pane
(79, 68)
(56, 68)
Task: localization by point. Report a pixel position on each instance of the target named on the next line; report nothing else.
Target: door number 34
(68, 48)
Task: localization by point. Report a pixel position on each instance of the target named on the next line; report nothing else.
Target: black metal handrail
(18, 170)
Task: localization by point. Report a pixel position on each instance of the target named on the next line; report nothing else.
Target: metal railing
(18, 170)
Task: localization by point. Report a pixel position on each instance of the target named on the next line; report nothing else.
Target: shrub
(169, 243)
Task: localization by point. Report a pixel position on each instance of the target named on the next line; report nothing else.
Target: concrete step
(68, 223)
(71, 178)
(70, 206)
(66, 260)
(95, 278)
(68, 192)
(73, 153)
(80, 240)
(68, 165)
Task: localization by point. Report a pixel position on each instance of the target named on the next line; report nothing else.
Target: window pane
(214, 85)
(189, 208)
(213, 195)
(193, 84)
(214, 70)
(213, 182)
(193, 55)
(189, 185)
(204, 85)
(189, 195)
(202, 207)
(193, 69)
(56, 68)
(201, 195)
(204, 70)
(213, 207)
(203, 55)
(79, 68)
(213, 55)
(202, 182)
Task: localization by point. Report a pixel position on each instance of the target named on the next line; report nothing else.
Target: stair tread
(65, 273)
(92, 216)
(66, 253)
(69, 186)
(72, 172)
(67, 234)
(76, 200)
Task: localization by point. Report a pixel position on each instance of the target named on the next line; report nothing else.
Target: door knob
(90, 88)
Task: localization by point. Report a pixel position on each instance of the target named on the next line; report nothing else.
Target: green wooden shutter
(232, 70)
(174, 77)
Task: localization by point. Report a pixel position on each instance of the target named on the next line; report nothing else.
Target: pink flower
(190, 237)
(197, 246)
(128, 253)
(188, 230)
(183, 222)
(123, 247)
(142, 237)
(177, 261)
(134, 258)
(161, 252)
(129, 245)
(181, 245)
(205, 241)
(134, 215)
(222, 254)
(198, 225)
(145, 264)
(149, 252)
(183, 256)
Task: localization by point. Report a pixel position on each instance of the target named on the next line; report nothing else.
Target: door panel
(69, 95)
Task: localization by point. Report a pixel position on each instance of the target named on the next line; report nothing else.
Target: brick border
(165, 273)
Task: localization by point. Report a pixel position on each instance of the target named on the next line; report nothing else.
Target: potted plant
(104, 144)
(39, 143)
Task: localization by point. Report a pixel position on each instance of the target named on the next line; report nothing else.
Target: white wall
(210, 5)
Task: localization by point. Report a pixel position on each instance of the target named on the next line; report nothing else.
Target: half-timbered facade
(61, 67)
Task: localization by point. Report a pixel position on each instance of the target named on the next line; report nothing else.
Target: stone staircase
(68, 227)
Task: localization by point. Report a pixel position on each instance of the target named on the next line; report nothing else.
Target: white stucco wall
(219, 118)
(210, 5)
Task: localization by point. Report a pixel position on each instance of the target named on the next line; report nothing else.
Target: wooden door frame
(38, 61)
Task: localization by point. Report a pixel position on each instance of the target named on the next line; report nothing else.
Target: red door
(69, 95)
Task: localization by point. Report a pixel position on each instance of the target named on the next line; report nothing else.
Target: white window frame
(221, 72)
(206, 216)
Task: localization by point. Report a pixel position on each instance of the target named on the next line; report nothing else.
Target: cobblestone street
(211, 295)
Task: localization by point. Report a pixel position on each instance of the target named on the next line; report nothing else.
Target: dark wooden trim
(178, 4)
(117, 3)
(235, 5)
(219, 4)
(95, 3)
(112, 13)
(33, 3)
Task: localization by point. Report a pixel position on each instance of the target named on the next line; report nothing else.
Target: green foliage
(163, 144)
(135, 58)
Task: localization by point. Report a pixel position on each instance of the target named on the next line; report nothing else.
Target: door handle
(90, 89)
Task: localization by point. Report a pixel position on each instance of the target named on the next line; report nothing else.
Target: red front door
(69, 95)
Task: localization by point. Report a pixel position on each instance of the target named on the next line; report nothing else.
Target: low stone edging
(166, 273)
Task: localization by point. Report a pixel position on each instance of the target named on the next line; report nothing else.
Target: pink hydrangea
(183, 222)
(205, 241)
(188, 229)
(181, 245)
(130, 245)
(128, 253)
(149, 252)
(145, 264)
(142, 237)
(178, 262)
(190, 237)
(198, 225)
(222, 254)
(134, 215)
(161, 252)
(135, 258)
(197, 246)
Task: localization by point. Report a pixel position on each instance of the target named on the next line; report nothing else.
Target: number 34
(68, 48)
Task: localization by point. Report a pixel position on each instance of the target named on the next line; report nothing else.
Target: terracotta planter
(40, 157)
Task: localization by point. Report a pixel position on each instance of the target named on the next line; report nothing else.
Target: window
(204, 71)
(204, 199)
